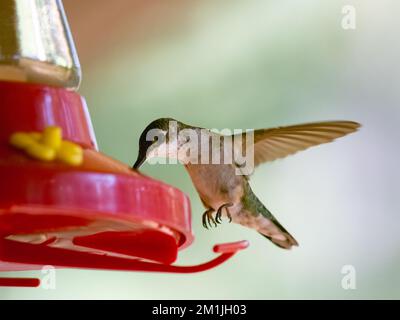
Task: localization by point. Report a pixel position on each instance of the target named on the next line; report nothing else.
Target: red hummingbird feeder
(100, 214)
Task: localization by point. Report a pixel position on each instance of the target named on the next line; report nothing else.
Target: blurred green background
(253, 64)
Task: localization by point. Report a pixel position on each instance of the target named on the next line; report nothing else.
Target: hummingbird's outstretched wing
(271, 144)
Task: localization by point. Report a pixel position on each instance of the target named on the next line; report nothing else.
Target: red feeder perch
(99, 215)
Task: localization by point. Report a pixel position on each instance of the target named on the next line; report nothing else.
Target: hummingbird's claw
(204, 220)
(218, 216)
(208, 218)
(211, 218)
(229, 215)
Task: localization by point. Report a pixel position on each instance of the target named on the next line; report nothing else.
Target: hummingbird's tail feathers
(255, 215)
(282, 244)
(282, 238)
(266, 224)
(274, 231)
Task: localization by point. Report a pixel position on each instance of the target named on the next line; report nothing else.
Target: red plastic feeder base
(100, 215)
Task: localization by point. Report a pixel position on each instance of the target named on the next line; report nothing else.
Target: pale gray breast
(216, 184)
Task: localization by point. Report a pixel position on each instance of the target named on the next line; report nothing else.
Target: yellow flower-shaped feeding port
(48, 146)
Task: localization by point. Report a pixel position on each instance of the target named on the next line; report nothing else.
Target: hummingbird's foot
(229, 215)
(208, 218)
(219, 212)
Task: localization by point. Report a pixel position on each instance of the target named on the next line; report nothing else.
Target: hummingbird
(224, 192)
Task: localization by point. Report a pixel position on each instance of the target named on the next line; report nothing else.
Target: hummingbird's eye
(157, 140)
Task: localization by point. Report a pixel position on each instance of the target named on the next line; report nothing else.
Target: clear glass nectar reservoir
(36, 44)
